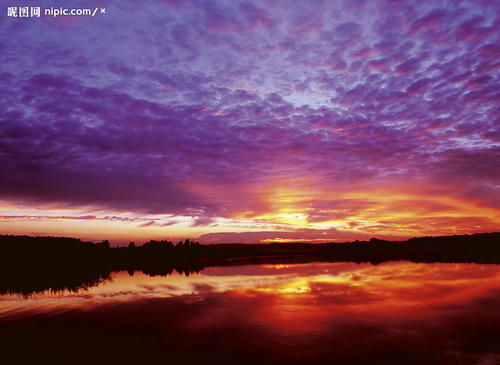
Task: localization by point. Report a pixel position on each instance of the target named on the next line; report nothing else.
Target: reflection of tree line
(35, 264)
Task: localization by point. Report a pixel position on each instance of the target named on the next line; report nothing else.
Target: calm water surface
(331, 313)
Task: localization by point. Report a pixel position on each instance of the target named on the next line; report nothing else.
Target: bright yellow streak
(315, 210)
(399, 210)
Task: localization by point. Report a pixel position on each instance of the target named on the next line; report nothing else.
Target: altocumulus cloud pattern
(257, 120)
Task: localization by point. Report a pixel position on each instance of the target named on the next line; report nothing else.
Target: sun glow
(302, 208)
(302, 204)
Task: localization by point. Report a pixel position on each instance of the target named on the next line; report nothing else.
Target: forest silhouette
(35, 264)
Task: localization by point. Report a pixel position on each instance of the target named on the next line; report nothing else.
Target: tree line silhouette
(35, 264)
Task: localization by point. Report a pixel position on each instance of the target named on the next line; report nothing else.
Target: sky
(251, 121)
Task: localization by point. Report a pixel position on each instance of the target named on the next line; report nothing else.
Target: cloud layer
(307, 113)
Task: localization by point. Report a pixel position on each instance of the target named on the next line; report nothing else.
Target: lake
(310, 313)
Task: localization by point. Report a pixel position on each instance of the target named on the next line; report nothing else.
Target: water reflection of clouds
(389, 284)
(393, 312)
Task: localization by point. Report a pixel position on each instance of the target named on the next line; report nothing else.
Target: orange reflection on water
(340, 286)
(396, 312)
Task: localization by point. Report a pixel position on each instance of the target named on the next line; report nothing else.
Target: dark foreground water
(327, 313)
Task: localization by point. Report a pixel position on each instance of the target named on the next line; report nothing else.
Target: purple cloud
(189, 108)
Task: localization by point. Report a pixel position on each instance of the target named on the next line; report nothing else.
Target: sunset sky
(251, 121)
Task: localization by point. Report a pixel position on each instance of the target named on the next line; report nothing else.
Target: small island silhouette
(35, 264)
